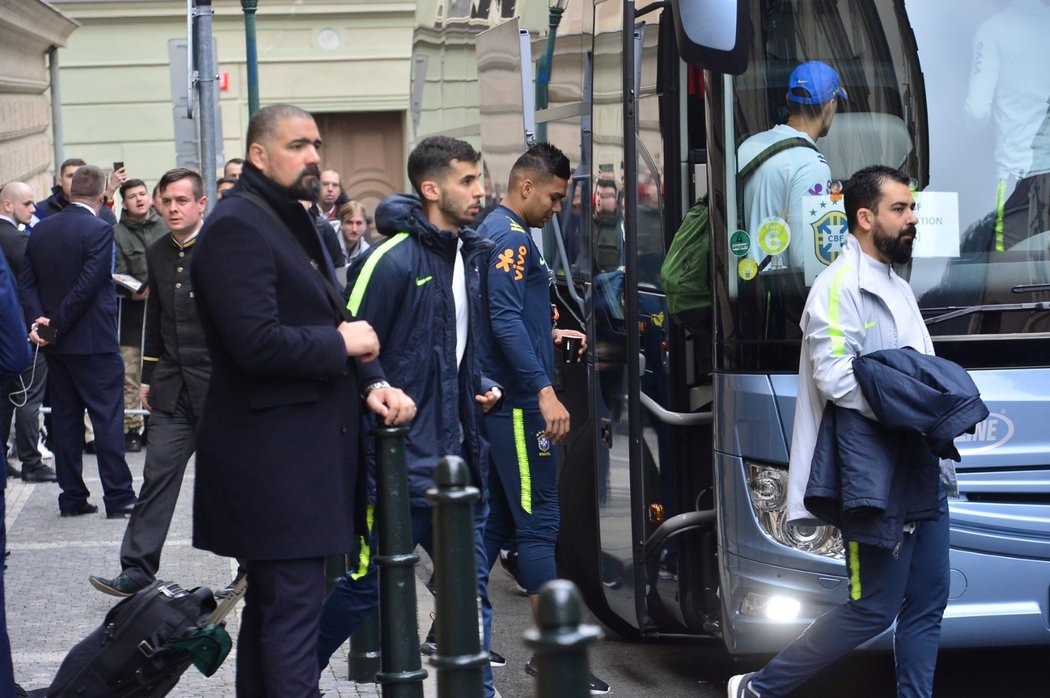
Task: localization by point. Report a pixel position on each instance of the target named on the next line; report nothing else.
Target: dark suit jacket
(175, 355)
(277, 446)
(13, 243)
(66, 276)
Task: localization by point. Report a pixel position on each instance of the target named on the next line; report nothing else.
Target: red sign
(224, 81)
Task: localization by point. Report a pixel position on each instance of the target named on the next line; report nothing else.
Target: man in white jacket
(859, 305)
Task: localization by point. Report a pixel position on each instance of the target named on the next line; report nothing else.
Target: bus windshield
(953, 92)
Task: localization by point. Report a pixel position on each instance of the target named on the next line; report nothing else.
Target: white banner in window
(937, 233)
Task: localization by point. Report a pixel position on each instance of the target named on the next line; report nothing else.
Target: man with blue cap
(783, 164)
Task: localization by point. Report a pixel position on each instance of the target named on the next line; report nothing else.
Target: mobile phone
(118, 164)
(46, 332)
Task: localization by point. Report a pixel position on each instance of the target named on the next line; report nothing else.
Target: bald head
(265, 124)
(16, 202)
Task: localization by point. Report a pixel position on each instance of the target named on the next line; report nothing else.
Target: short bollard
(560, 642)
(460, 660)
(402, 675)
(363, 662)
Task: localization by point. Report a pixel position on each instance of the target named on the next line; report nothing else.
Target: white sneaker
(739, 687)
(45, 452)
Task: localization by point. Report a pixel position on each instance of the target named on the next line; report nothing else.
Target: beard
(307, 187)
(896, 248)
(460, 215)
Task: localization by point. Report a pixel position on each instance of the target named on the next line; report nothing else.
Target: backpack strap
(786, 144)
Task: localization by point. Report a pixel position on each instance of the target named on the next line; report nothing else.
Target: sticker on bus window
(824, 220)
(937, 232)
(740, 243)
(774, 235)
(747, 269)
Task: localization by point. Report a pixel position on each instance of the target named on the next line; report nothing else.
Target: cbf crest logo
(829, 232)
(543, 443)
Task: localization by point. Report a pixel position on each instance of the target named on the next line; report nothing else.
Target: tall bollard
(402, 675)
(459, 660)
(560, 642)
(363, 663)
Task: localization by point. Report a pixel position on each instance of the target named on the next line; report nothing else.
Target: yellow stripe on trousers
(854, 570)
(524, 473)
(365, 556)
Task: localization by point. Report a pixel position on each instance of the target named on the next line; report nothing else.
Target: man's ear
(429, 190)
(257, 155)
(865, 219)
(525, 187)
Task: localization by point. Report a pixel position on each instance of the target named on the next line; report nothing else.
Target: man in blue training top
(421, 291)
(531, 420)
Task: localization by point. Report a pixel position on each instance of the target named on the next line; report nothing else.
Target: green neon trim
(425, 279)
(854, 570)
(524, 474)
(869, 325)
(1000, 209)
(365, 556)
(358, 294)
(838, 337)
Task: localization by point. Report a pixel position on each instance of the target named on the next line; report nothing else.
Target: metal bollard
(402, 675)
(560, 642)
(364, 661)
(459, 660)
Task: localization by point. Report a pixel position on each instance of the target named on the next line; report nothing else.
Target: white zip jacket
(856, 306)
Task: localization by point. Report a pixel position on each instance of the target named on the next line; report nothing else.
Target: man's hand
(560, 335)
(141, 295)
(33, 336)
(489, 399)
(392, 404)
(360, 339)
(144, 397)
(116, 178)
(555, 414)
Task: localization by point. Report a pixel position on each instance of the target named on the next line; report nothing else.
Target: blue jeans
(352, 601)
(911, 588)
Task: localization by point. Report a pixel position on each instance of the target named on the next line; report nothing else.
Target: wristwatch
(375, 385)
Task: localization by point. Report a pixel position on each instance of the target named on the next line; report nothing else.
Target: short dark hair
(864, 189)
(131, 184)
(88, 183)
(234, 161)
(809, 112)
(180, 173)
(607, 184)
(70, 162)
(433, 156)
(263, 124)
(224, 180)
(543, 160)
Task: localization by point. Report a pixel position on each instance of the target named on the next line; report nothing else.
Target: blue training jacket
(518, 293)
(403, 288)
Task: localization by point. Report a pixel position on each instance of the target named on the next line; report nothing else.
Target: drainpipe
(249, 7)
(56, 107)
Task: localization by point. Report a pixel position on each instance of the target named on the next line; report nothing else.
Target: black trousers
(28, 391)
(277, 646)
(172, 440)
(94, 382)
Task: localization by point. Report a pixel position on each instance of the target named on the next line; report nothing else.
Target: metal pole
(402, 675)
(56, 108)
(543, 66)
(249, 7)
(364, 663)
(206, 98)
(460, 659)
(560, 642)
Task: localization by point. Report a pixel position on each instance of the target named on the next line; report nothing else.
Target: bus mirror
(712, 35)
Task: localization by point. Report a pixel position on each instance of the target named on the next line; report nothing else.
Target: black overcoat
(277, 443)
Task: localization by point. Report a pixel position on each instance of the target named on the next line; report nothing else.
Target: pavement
(50, 605)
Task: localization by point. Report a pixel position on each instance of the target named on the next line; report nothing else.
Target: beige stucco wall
(28, 28)
(116, 94)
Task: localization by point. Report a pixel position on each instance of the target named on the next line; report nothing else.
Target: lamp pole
(543, 66)
(249, 7)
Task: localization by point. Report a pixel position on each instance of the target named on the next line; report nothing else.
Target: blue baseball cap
(814, 83)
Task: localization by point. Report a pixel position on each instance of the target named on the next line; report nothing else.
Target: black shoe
(510, 565)
(598, 687)
(80, 510)
(12, 471)
(89, 447)
(41, 473)
(122, 585)
(429, 647)
(497, 659)
(132, 442)
(120, 513)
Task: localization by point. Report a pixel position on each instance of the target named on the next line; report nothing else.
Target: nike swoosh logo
(869, 325)
(425, 279)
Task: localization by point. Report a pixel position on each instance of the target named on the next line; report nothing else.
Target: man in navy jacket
(278, 483)
(420, 289)
(66, 284)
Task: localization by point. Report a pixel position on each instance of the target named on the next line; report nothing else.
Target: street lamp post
(249, 7)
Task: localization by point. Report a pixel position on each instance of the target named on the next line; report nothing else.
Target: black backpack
(145, 643)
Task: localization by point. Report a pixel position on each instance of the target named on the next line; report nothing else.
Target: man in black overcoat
(278, 480)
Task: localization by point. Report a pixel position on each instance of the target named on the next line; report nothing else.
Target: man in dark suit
(66, 285)
(22, 397)
(278, 480)
(175, 375)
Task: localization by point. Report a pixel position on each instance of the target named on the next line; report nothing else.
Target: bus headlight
(767, 489)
